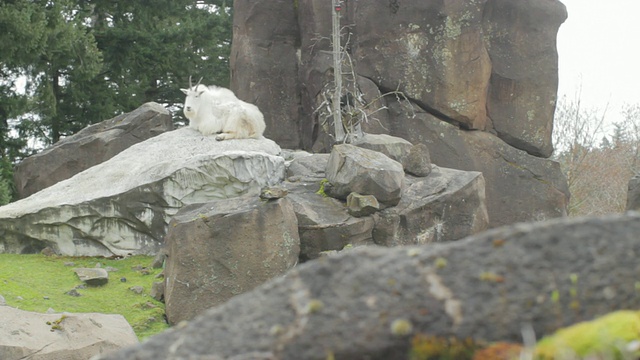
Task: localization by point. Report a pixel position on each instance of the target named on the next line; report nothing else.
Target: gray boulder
(444, 206)
(368, 303)
(418, 161)
(35, 336)
(221, 249)
(123, 205)
(324, 224)
(309, 167)
(353, 169)
(88, 147)
(92, 276)
(362, 205)
(394, 147)
(633, 194)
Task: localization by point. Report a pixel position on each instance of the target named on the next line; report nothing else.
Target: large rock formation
(489, 66)
(369, 303)
(88, 147)
(123, 205)
(69, 336)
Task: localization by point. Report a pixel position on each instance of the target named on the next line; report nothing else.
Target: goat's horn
(190, 85)
(199, 81)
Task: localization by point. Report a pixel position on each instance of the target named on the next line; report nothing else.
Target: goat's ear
(200, 93)
(185, 91)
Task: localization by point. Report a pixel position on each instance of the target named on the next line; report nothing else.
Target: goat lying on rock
(216, 110)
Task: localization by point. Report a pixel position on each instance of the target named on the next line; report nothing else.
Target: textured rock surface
(519, 187)
(487, 65)
(444, 206)
(265, 39)
(521, 39)
(394, 147)
(418, 161)
(485, 287)
(221, 249)
(324, 224)
(353, 169)
(430, 50)
(122, 206)
(28, 335)
(90, 146)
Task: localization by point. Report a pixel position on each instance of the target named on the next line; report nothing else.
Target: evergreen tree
(88, 60)
(152, 47)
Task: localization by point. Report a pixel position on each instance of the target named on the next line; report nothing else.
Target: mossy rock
(607, 337)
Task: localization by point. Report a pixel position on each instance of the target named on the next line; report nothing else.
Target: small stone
(3, 302)
(51, 311)
(93, 276)
(418, 161)
(158, 261)
(48, 251)
(362, 205)
(137, 289)
(45, 297)
(123, 279)
(273, 192)
(98, 265)
(19, 298)
(70, 263)
(157, 290)
(73, 292)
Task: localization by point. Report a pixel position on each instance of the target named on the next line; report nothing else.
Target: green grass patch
(38, 283)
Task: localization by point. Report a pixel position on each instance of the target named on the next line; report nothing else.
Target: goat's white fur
(216, 110)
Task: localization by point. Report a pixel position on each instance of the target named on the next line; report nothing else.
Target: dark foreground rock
(367, 303)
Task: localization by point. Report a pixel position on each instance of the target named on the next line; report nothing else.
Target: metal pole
(337, 71)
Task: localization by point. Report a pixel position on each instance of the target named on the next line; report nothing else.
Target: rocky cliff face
(485, 71)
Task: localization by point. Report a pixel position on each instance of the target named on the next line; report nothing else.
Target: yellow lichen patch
(441, 263)
(314, 306)
(401, 327)
(499, 351)
(607, 337)
(491, 277)
(427, 347)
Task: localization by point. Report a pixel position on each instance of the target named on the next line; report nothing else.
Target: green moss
(606, 337)
(320, 191)
(37, 283)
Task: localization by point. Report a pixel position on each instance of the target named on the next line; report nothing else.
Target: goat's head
(192, 102)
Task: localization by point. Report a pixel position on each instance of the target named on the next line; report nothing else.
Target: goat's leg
(227, 135)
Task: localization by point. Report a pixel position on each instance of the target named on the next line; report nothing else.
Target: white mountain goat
(216, 110)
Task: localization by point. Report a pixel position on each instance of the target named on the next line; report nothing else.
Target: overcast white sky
(598, 46)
